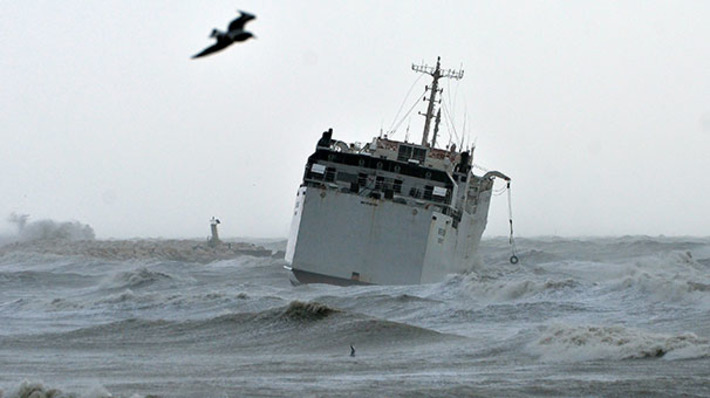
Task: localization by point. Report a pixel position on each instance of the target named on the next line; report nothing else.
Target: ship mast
(436, 74)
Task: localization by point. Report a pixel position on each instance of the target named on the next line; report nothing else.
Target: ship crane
(436, 73)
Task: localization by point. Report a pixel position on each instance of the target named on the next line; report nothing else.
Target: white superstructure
(388, 212)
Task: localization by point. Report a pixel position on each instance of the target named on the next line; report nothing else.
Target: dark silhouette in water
(352, 350)
(235, 33)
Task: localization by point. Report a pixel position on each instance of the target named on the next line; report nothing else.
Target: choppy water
(595, 317)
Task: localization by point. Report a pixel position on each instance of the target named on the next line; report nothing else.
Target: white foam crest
(37, 389)
(97, 391)
(671, 277)
(137, 278)
(123, 297)
(509, 288)
(583, 343)
(513, 290)
(61, 304)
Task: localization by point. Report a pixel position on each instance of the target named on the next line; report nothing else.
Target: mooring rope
(513, 250)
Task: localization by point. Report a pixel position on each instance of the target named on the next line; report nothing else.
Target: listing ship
(389, 212)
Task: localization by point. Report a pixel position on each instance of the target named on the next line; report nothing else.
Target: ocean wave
(307, 311)
(541, 250)
(698, 287)
(644, 245)
(23, 277)
(139, 277)
(534, 257)
(60, 304)
(156, 303)
(508, 289)
(584, 343)
(674, 276)
(669, 277)
(298, 327)
(43, 281)
(504, 313)
(37, 389)
(123, 297)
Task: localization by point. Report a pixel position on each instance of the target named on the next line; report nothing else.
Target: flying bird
(235, 33)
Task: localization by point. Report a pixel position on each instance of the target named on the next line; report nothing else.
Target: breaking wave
(148, 309)
(140, 277)
(301, 327)
(506, 289)
(37, 389)
(50, 230)
(584, 343)
(310, 311)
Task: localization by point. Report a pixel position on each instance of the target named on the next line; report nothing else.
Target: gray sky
(598, 110)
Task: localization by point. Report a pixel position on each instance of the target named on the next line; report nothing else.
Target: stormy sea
(587, 317)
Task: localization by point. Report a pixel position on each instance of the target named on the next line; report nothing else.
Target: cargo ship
(389, 212)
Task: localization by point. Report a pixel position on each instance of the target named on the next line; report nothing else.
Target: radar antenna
(436, 73)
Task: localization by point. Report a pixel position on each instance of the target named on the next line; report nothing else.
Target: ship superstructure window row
(387, 165)
(403, 173)
(379, 183)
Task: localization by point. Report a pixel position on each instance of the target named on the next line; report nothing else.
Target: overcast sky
(598, 110)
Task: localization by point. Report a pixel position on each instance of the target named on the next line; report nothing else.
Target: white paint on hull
(348, 236)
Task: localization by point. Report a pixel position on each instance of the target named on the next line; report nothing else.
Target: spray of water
(48, 229)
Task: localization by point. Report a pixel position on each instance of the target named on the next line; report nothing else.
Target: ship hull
(344, 238)
(300, 277)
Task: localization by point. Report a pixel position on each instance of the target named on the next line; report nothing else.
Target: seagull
(352, 350)
(235, 32)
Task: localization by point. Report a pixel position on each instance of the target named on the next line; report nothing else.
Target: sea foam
(566, 343)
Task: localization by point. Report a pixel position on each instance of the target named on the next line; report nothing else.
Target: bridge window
(347, 177)
(428, 191)
(397, 187)
(362, 179)
(407, 152)
(415, 193)
(419, 154)
(330, 174)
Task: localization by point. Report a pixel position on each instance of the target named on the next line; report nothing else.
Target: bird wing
(239, 35)
(220, 45)
(238, 24)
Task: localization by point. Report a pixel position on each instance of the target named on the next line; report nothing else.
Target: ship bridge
(402, 172)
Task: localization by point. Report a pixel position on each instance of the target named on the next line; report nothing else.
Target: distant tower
(214, 240)
(436, 73)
